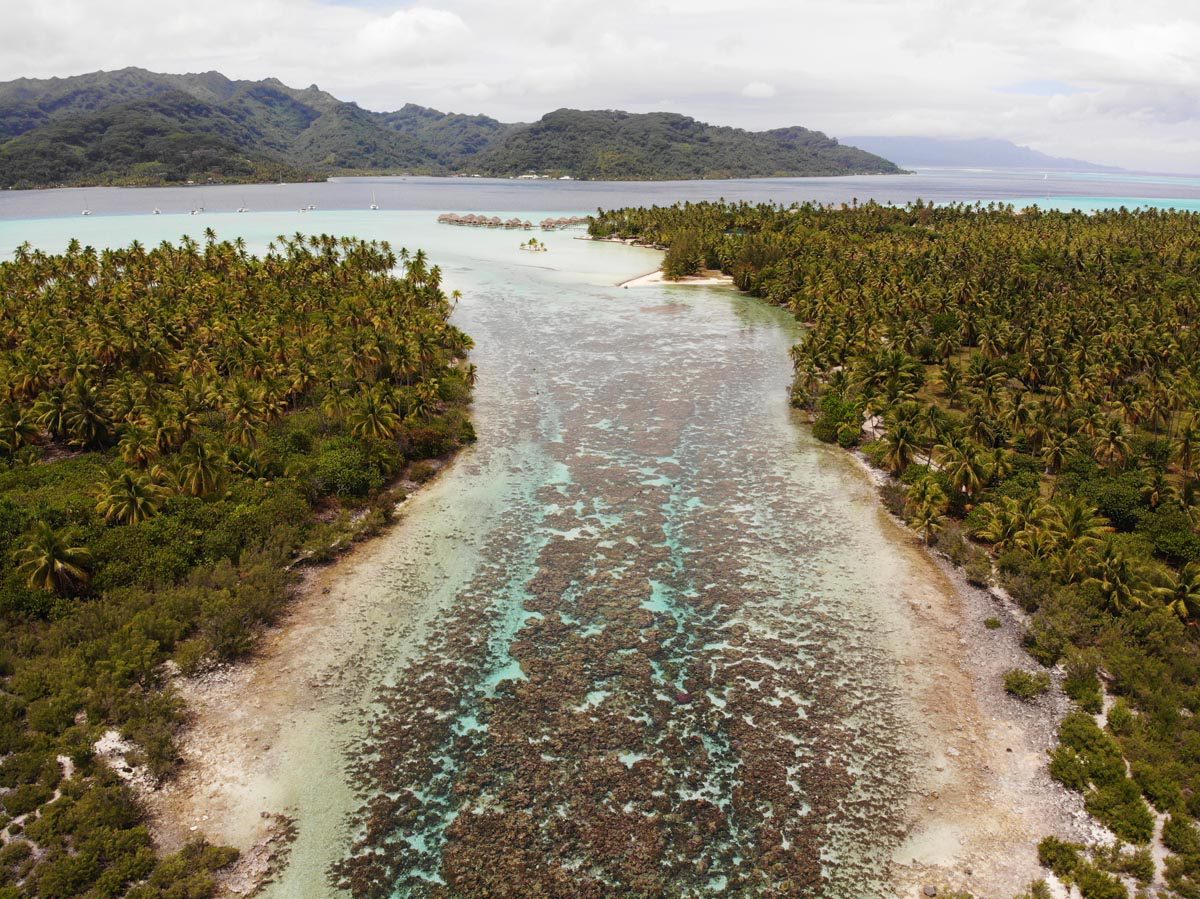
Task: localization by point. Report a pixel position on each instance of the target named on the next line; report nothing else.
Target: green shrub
(1170, 531)
(1120, 719)
(685, 255)
(1119, 807)
(1026, 685)
(1038, 889)
(833, 411)
(343, 469)
(1059, 856)
(1159, 784)
(1085, 754)
(875, 452)
(1118, 498)
(1096, 884)
(1082, 683)
(1138, 864)
(992, 623)
(1181, 836)
(978, 569)
(25, 798)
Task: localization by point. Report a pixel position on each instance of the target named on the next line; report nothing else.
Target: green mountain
(620, 145)
(138, 127)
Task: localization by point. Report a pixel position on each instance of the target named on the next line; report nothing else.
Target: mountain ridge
(133, 126)
(966, 152)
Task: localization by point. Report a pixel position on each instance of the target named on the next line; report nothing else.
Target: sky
(1107, 81)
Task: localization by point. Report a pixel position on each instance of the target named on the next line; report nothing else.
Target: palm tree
(1056, 449)
(1118, 582)
(1156, 489)
(926, 503)
(199, 469)
(373, 417)
(900, 439)
(926, 520)
(1074, 521)
(1002, 524)
(138, 447)
(1180, 591)
(965, 468)
(1185, 447)
(15, 430)
(50, 412)
(87, 422)
(1112, 444)
(129, 498)
(50, 560)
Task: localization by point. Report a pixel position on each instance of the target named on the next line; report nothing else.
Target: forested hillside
(661, 145)
(137, 127)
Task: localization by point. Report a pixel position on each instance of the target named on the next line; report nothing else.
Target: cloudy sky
(1112, 82)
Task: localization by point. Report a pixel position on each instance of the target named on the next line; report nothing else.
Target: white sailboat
(374, 205)
(86, 211)
(157, 211)
(243, 207)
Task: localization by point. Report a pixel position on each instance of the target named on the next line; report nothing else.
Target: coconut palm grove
(181, 426)
(1030, 380)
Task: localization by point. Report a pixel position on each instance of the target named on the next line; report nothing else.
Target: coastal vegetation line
(180, 427)
(1029, 379)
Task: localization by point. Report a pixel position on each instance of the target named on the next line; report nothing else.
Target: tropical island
(135, 127)
(1027, 380)
(182, 428)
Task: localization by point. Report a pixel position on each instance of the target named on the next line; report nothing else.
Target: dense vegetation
(134, 126)
(179, 426)
(1030, 378)
(171, 137)
(619, 146)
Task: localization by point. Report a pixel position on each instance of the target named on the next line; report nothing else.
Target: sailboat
(86, 211)
(157, 211)
(374, 205)
(243, 208)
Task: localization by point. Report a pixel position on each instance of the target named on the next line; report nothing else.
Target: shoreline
(710, 278)
(986, 797)
(311, 664)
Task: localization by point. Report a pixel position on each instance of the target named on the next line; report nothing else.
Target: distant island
(978, 152)
(133, 126)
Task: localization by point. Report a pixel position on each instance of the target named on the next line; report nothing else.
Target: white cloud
(942, 67)
(758, 90)
(415, 35)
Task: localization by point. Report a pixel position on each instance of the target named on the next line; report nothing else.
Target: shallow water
(498, 195)
(642, 636)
